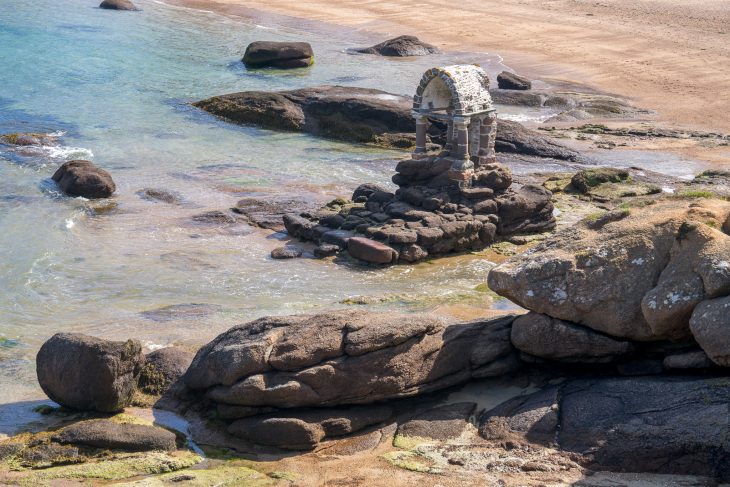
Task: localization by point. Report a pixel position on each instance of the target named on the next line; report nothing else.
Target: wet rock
(346, 113)
(495, 176)
(513, 137)
(342, 358)
(440, 423)
(187, 311)
(217, 217)
(83, 178)
(88, 373)
(117, 5)
(284, 55)
(638, 278)
(164, 196)
(710, 325)
(303, 430)
(512, 81)
(401, 46)
(326, 250)
(519, 98)
(102, 433)
(268, 212)
(28, 139)
(550, 338)
(370, 251)
(162, 368)
(286, 252)
(584, 180)
(365, 191)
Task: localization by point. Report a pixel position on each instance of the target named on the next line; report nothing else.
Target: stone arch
(467, 87)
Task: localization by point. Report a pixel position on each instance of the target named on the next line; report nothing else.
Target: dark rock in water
(181, 312)
(343, 358)
(268, 212)
(513, 137)
(163, 368)
(88, 373)
(670, 425)
(302, 430)
(550, 338)
(117, 5)
(83, 178)
(440, 423)
(401, 46)
(284, 55)
(370, 251)
(112, 435)
(326, 250)
(152, 194)
(287, 252)
(520, 98)
(27, 139)
(512, 81)
(346, 113)
(217, 217)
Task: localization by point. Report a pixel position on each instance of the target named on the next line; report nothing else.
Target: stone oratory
(459, 97)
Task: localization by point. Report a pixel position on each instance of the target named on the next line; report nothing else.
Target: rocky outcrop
(710, 325)
(163, 368)
(112, 435)
(284, 55)
(428, 215)
(639, 275)
(673, 425)
(83, 178)
(117, 5)
(271, 370)
(88, 373)
(401, 46)
(512, 81)
(360, 115)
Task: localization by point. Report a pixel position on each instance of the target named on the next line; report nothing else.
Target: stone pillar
(462, 168)
(487, 138)
(421, 129)
(449, 146)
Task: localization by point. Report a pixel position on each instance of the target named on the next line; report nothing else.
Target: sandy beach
(671, 56)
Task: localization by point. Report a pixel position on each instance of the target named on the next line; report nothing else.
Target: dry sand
(672, 56)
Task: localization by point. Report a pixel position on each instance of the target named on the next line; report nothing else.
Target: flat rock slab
(112, 435)
(440, 423)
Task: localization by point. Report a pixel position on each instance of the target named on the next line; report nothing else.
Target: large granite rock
(401, 46)
(550, 338)
(359, 115)
(88, 373)
(284, 55)
(710, 325)
(673, 425)
(113, 435)
(83, 178)
(512, 81)
(162, 368)
(344, 358)
(637, 276)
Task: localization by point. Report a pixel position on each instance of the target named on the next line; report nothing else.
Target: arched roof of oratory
(467, 85)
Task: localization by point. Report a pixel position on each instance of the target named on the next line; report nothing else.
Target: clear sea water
(117, 86)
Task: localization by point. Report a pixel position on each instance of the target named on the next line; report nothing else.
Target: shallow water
(117, 86)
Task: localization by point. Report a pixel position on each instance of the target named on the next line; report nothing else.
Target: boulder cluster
(428, 215)
(624, 280)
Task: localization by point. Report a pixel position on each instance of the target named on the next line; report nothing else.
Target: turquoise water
(116, 86)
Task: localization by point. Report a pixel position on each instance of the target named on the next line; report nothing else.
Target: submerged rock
(401, 46)
(83, 178)
(512, 81)
(88, 373)
(284, 55)
(117, 5)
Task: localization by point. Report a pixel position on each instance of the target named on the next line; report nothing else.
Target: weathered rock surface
(371, 251)
(117, 5)
(710, 325)
(88, 373)
(284, 55)
(674, 425)
(512, 81)
(440, 423)
(343, 358)
(359, 115)
(162, 368)
(286, 252)
(303, 430)
(83, 178)
(102, 433)
(554, 339)
(639, 277)
(401, 46)
(688, 360)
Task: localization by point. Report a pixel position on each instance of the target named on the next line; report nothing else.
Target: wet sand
(667, 55)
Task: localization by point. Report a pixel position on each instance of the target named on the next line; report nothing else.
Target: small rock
(83, 178)
(326, 250)
(103, 433)
(286, 252)
(117, 5)
(688, 360)
(162, 368)
(400, 47)
(371, 251)
(511, 81)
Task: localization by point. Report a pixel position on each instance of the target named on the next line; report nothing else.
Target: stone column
(462, 168)
(449, 146)
(421, 129)
(487, 138)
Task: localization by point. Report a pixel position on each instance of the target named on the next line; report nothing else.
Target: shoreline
(600, 46)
